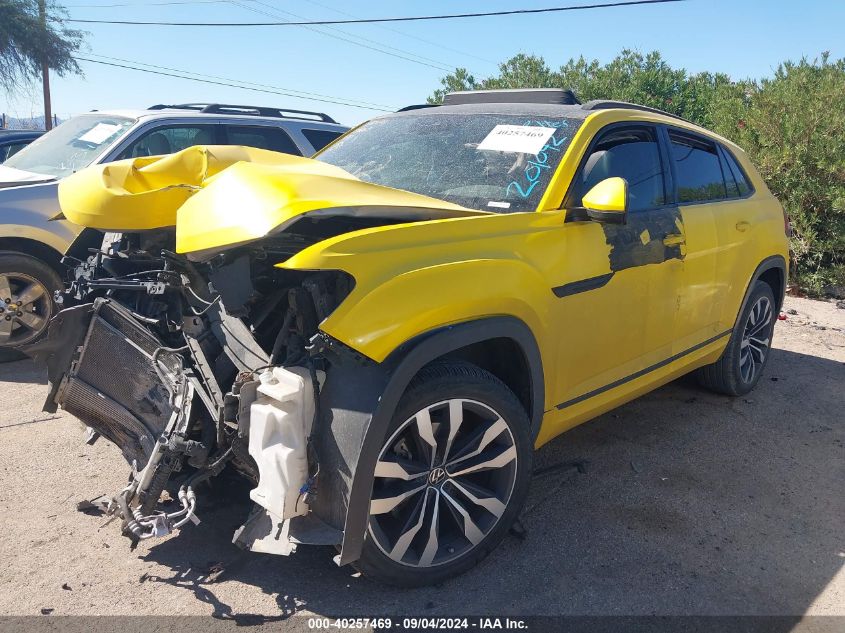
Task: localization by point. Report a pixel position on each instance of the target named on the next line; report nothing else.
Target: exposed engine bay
(191, 339)
(191, 368)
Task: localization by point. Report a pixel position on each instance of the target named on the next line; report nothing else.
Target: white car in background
(32, 246)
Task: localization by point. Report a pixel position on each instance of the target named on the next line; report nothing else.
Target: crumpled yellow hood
(220, 196)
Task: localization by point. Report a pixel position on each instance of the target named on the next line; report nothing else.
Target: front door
(615, 325)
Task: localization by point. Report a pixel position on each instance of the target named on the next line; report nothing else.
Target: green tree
(632, 76)
(454, 82)
(25, 42)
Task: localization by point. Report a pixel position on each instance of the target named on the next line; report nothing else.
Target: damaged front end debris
(148, 354)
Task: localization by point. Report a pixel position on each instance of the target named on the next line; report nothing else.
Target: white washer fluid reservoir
(279, 426)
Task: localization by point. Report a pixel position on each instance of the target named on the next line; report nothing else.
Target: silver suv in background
(32, 246)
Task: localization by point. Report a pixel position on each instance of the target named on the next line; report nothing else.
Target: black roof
(553, 96)
(518, 109)
(525, 102)
(8, 136)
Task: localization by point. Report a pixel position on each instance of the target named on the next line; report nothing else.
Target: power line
(230, 85)
(141, 6)
(303, 93)
(404, 34)
(402, 53)
(415, 18)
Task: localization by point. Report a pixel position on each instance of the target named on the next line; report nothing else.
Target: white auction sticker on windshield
(526, 139)
(99, 133)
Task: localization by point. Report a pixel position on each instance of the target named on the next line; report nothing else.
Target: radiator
(113, 386)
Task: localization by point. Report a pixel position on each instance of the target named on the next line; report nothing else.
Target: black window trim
(719, 149)
(578, 214)
(724, 165)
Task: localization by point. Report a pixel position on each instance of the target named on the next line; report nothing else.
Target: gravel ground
(690, 503)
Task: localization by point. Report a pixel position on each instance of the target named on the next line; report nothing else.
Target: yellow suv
(380, 337)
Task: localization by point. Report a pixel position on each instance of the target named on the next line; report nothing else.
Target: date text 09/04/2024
(416, 623)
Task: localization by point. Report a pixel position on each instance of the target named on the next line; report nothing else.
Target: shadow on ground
(21, 370)
(691, 503)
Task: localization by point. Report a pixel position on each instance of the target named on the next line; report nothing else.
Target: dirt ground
(690, 503)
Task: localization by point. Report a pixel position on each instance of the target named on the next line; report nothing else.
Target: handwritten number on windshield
(535, 168)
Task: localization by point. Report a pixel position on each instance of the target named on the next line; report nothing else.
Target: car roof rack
(247, 110)
(606, 104)
(417, 106)
(549, 96)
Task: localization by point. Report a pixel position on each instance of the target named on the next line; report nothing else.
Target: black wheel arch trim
(357, 404)
(770, 263)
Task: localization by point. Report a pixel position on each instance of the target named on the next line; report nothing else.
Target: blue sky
(742, 38)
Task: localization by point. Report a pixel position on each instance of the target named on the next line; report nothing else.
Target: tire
(27, 285)
(742, 363)
(494, 430)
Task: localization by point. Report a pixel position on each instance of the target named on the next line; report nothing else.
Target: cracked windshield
(490, 162)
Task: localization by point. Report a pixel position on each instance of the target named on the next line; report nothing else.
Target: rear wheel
(450, 479)
(26, 301)
(741, 365)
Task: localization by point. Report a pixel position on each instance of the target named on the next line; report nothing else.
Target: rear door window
(262, 137)
(698, 171)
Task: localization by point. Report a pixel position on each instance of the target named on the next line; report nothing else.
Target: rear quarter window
(743, 186)
(262, 137)
(320, 138)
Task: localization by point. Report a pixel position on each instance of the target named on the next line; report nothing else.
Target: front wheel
(451, 477)
(739, 369)
(27, 285)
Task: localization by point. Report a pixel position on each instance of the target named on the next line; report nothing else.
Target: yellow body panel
(221, 196)
(416, 278)
(664, 310)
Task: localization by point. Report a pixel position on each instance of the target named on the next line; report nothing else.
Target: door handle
(743, 225)
(673, 239)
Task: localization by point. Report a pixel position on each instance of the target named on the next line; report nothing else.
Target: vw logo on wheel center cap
(436, 476)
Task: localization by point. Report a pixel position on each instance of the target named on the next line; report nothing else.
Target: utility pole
(45, 70)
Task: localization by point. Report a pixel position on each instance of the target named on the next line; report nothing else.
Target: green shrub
(793, 128)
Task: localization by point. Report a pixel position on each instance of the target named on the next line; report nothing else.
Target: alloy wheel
(25, 309)
(756, 338)
(442, 482)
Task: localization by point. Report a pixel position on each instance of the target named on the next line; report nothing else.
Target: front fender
(25, 213)
(376, 319)
(357, 404)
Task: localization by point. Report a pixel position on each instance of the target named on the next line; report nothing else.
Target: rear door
(699, 184)
(703, 195)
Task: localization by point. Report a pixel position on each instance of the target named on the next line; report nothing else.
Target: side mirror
(607, 201)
